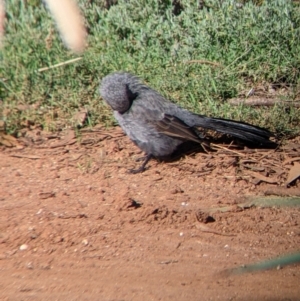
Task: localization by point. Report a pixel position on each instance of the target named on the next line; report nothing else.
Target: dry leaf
(290, 160)
(262, 178)
(70, 138)
(80, 117)
(293, 174)
(8, 140)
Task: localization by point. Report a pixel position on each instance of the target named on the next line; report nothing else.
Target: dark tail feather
(247, 132)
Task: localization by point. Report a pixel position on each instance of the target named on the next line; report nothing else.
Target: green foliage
(251, 45)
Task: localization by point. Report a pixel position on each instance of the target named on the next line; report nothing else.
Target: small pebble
(85, 242)
(40, 211)
(24, 247)
(29, 266)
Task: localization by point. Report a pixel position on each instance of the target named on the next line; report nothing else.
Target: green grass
(254, 45)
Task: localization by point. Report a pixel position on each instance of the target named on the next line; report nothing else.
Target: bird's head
(118, 90)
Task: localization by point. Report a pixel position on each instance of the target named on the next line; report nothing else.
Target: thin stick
(60, 64)
(26, 156)
(204, 62)
(204, 228)
(262, 101)
(227, 149)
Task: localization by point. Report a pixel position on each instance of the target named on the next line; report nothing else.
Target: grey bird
(157, 126)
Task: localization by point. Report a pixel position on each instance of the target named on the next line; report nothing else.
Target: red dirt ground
(75, 225)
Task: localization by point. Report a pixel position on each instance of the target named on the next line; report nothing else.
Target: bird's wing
(174, 127)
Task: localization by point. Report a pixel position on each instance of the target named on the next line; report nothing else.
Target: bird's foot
(138, 170)
(140, 159)
(142, 168)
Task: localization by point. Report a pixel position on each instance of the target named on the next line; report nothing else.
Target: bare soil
(75, 225)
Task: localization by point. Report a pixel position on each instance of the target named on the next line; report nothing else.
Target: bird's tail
(247, 132)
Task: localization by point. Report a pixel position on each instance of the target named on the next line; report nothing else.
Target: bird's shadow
(190, 147)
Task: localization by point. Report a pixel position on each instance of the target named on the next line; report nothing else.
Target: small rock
(204, 217)
(85, 242)
(58, 239)
(33, 236)
(23, 247)
(29, 265)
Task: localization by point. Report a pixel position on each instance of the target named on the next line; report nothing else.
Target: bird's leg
(140, 159)
(142, 168)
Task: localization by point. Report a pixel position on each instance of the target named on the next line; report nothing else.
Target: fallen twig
(227, 149)
(26, 156)
(60, 64)
(204, 62)
(209, 230)
(255, 101)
